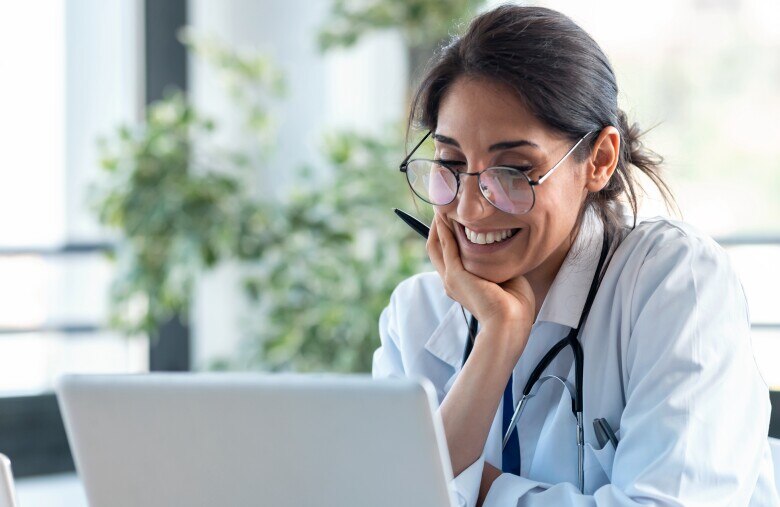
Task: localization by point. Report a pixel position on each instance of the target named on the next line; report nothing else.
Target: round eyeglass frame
(531, 183)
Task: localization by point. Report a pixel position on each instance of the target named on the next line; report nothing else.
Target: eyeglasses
(507, 188)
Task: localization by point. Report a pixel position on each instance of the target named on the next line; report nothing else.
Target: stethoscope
(536, 380)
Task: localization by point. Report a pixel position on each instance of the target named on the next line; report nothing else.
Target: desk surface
(60, 490)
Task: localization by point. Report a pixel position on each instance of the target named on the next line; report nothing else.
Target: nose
(472, 205)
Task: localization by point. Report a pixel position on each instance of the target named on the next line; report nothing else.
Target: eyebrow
(503, 145)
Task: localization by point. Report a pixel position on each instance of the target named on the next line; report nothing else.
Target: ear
(603, 159)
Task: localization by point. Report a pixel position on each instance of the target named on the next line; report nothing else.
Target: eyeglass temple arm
(403, 165)
(548, 173)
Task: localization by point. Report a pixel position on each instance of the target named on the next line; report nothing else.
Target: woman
(533, 160)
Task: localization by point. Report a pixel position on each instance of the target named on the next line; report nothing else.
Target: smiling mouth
(487, 238)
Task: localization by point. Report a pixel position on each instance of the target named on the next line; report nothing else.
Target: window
(78, 70)
(73, 83)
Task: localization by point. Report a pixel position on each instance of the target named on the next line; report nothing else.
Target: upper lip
(483, 230)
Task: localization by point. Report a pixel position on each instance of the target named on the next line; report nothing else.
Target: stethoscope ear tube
(573, 338)
(578, 415)
(533, 392)
(579, 362)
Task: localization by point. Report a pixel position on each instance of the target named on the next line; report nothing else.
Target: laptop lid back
(245, 439)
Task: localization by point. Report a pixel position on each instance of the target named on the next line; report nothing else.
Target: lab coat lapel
(448, 341)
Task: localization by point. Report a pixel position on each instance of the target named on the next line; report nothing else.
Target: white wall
(362, 88)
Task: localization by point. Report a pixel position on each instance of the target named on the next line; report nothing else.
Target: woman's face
(475, 115)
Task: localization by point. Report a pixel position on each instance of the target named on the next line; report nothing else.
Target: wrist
(489, 475)
(507, 324)
(511, 318)
(506, 338)
(507, 328)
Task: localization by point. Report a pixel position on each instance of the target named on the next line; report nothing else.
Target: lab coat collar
(563, 304)
(566, 298)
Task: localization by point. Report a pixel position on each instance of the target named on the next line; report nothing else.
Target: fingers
(446, 257)
(450, 250)
(433, 246)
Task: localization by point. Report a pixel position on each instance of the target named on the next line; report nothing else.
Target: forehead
(478, 112)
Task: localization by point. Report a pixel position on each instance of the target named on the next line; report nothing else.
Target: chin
(490, 273)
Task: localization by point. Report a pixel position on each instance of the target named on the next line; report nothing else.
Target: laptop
(169, 439)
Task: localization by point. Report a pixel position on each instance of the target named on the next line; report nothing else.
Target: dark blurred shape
(166, 57)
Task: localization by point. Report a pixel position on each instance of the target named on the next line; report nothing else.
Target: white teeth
(482, 238)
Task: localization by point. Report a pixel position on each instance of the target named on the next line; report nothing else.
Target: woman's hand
(489, 474)
(506, 312)
(499, 306)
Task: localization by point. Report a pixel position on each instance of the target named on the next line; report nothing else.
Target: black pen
(604, 432)
(601, 436)
(419, 227)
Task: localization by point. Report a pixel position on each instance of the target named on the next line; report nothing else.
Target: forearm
(470, 406)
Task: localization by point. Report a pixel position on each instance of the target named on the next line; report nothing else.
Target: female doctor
(643, 389)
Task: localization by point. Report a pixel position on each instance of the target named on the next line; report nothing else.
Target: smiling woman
(644, 326)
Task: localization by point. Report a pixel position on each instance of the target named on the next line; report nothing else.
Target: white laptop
(255, 440)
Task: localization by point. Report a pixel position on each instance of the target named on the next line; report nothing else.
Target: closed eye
(460, 163)
(450, 163)
(521, 168)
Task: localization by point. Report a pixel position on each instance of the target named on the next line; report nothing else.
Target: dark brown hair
(564, 78)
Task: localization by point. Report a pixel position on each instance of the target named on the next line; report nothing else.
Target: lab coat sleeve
(388, 363)
(695, 421)
(465, 487)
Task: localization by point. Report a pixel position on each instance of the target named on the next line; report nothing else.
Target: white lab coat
(668, 363)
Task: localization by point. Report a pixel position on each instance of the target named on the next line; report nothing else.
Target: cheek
(547, 223)
(560, 201)
(574, 187)
(446, 210)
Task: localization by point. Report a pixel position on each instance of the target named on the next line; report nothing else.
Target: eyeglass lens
(505, 188)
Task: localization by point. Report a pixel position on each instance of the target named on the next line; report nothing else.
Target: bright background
(704, 73)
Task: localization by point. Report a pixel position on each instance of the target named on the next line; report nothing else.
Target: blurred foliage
(330, 255)
(251, 80)
(423, 23)
(333, 251)
(177, 206)
(321, 260)
(336, 250)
